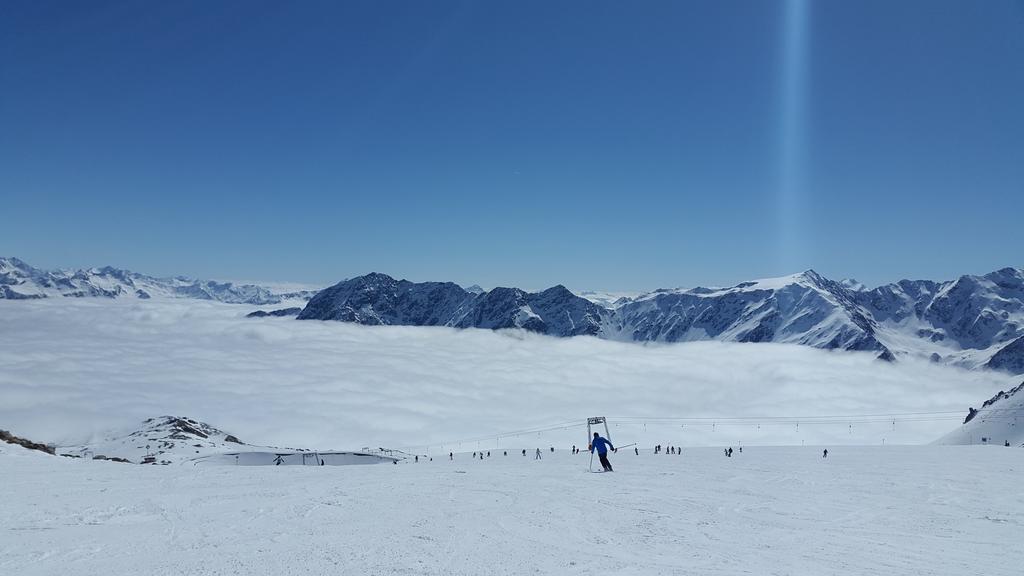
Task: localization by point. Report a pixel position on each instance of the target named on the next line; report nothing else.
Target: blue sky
(596, 144)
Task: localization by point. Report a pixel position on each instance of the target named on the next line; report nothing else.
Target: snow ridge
(21, 281)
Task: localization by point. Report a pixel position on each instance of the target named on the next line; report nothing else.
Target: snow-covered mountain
(1000, 421)
(21, 281)
(804, 309)
(163, 440)
(378, 299)
(973, 322)
(175, 440)
(606, 299)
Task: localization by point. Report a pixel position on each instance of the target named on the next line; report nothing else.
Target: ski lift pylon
(593, 421)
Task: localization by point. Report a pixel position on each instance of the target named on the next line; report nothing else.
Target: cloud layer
(72, 368)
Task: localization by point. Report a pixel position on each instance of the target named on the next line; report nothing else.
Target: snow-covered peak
(605, 298)
(807, 278)
(162, 440)
(11, 264)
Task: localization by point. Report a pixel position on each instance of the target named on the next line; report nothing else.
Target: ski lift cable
(497, 436)
(996, 414)
(799, 417)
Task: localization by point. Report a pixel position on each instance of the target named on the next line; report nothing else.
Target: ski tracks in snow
(895, 510)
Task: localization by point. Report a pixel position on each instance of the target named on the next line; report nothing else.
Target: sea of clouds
(72, 369)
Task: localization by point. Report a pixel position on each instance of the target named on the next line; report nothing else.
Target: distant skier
(481, 455)
(574, 449)
(417, 459)
(506, 452)
(730, 451)
(278, 460)
(451, 456)
(601, 445)
(537, 455)
(636, 451)
(825, 453)
(552, 449)
(524, 451)
(741, 449)
(488, 453)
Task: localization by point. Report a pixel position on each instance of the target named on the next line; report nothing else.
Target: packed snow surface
(896, 511)
(72, 370)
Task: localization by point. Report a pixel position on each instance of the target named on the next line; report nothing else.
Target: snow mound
(999, 421)
(163, 440)
(177, 440)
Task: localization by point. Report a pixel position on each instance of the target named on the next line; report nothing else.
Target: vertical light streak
(792, 116)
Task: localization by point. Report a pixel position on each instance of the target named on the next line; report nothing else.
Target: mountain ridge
(972, 322)
(21, 281)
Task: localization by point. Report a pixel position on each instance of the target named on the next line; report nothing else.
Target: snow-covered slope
(1009, 358)
(999, 421)
(606, 299)
(555, 311)
(163, 440)
(21, 281)
(803, 309)
(892, 511)
(968, 322)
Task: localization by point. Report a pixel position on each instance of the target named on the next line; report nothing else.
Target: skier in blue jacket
(602, 446)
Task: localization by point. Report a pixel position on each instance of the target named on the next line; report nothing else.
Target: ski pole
(626, 446)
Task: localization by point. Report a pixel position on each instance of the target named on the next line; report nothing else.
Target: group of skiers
(598, 444)
(601, 446)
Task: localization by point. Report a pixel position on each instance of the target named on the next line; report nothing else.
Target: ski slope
(922, 510)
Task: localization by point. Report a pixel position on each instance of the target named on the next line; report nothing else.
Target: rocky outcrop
(283, 312)
(6, 436)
